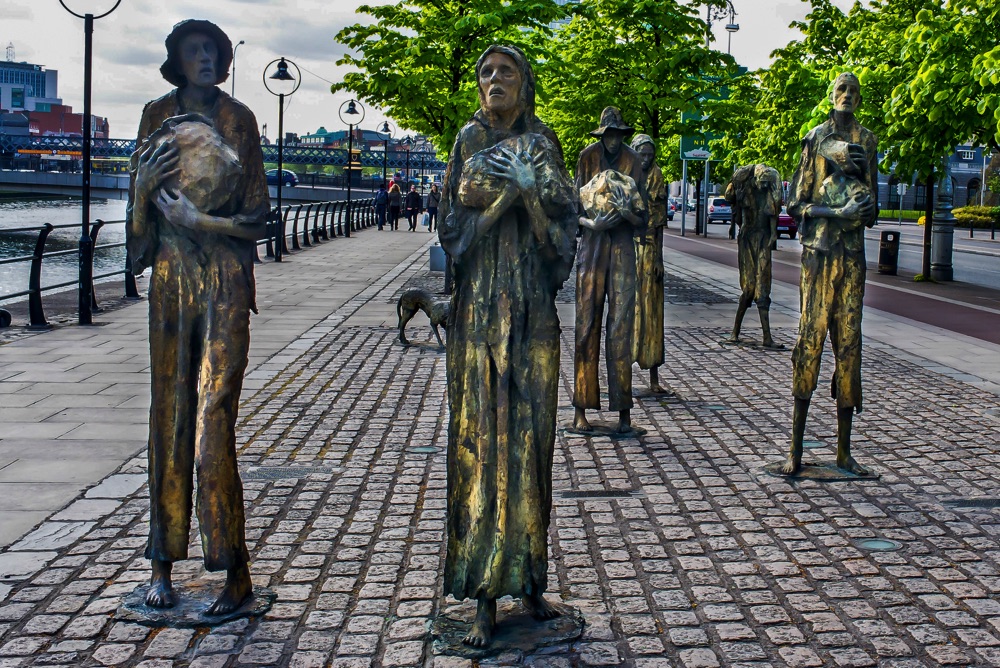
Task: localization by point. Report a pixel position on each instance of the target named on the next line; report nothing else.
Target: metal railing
(36, 314)
(304, 225)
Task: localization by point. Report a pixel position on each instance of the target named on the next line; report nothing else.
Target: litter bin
(888, 253)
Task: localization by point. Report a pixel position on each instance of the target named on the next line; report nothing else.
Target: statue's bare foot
(771, 345)
(161, 595)
(580, 422)
(237, 590)
(733, 340)
(482, 628)
(792, 466)
(539, 608)
(161, 590)
(848, 464)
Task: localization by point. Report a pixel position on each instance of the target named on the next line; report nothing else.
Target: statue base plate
(601, 428)
(743, 343)
(820, 472)
(193, 599)
(650, 394)
(516, 630)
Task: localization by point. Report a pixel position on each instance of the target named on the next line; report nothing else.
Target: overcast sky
(128, 49)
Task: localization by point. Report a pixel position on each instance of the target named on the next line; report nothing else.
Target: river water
(34, 213)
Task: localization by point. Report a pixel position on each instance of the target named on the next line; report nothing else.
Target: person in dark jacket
(381, 204)
(433, 200)
(395, 204)
(413, 202)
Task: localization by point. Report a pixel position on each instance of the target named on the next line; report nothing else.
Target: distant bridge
(422, 161)
(115, 186)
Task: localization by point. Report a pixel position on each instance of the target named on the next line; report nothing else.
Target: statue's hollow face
(646, 155)
(846, 94)
(500, 83)
(612, 140)
(199, 57)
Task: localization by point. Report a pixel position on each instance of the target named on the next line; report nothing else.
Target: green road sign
(695, 147)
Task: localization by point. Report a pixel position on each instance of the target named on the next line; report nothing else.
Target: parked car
(288, 178)
(787, 224)
(719, 211)
(670, 209)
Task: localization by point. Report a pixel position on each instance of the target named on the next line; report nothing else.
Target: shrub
(978, 216)
(981, 217)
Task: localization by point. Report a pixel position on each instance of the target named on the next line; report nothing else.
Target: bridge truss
(419, 161)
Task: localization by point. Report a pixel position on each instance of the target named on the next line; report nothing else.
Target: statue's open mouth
(497, 92)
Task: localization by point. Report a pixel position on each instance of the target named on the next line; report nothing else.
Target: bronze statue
(508, 222)
(833, 196)
(415, 300)
(755, 195)
(606, 271)
(649, 350)
(197, 202)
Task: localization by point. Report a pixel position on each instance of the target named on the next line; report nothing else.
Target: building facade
(969, 169)
(28, 87)
(33, 91)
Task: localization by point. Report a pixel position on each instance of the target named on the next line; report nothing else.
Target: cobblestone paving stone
(708, 562)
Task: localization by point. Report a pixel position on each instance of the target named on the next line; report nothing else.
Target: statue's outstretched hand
(156, 166)
(859, 211)
(177, 209)
(517, 168)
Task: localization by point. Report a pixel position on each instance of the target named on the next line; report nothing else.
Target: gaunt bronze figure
(649, 349)
(508, 222)
(833, 196)
(755, 195)
(200, 297)
(606, 271)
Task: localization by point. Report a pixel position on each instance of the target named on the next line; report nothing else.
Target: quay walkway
(677, 547)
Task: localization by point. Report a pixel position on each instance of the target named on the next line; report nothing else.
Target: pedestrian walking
(433, 199)
(395, 204)
(412, 207)
(381, 205)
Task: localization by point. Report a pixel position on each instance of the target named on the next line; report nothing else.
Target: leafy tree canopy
(416, 60)
(646, 57)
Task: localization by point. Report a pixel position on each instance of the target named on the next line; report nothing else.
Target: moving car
(719, 211)
(288, 178)
(787, 224)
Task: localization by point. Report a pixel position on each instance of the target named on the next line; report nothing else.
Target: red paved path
(879, 294)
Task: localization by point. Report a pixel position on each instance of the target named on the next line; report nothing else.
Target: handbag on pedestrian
(425, 219)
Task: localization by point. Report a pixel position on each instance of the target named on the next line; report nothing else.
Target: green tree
(646, 57)
(770, 110)
(416, 60)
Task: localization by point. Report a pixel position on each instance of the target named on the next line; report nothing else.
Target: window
(967, 155)
(921, 198)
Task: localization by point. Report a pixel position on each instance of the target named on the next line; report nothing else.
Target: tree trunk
(928, 223)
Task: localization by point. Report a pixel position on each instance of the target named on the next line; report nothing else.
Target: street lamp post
(290, 85)
(351, 111)
(713, 12)
(85, 287)
(388, 130)
(408, 142)
(232, 75)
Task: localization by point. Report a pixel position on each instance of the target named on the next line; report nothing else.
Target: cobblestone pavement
(676, 546)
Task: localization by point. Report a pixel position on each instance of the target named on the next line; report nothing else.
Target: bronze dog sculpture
(415, 300)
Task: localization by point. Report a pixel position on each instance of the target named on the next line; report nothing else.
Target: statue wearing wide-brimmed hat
(606, 270)
(197, 202)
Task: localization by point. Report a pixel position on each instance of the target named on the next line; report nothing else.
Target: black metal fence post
(36, 316)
